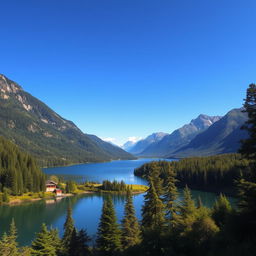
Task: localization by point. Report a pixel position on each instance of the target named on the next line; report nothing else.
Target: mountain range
(141, 145)
(221, 137)
(40, 131)
(203, 136)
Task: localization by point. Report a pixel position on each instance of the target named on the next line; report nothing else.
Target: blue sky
(124, 68)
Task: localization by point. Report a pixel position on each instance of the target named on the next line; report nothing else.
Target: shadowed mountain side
(222, 137)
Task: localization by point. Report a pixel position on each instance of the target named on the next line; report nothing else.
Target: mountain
(179, 137)
(222, 137)
(37, 129)
(113, 150)
(128, 145)
(141, 145)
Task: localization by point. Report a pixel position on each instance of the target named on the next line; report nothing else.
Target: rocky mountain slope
(180, 137)
(39, 130)
(222, 137)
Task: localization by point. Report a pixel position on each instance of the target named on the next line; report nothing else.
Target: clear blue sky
(121, 68)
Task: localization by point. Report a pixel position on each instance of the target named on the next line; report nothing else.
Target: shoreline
(51, 197)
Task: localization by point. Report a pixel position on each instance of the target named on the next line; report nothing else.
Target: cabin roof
(50, 182)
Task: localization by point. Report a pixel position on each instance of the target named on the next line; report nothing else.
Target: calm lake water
(86, 208)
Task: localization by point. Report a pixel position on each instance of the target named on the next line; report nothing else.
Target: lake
(87, 207)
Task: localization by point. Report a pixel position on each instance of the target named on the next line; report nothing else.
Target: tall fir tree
(79, 243)
(221, 210)
(248, 147)
(152, 210)
(247, 183)
(187, 212)
(170, 196)
(154, 173)
(4, 245)
(56, 241)
(8, 243)
(43, 244)
(187, 207)
(131, 233)
(109, 234)
(68, 230)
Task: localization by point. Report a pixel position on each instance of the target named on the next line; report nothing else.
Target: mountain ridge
(222, 137)
(40, 131)
(179, 137)
(142, 144)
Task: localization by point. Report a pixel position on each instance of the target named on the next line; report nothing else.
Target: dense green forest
(212, 173)
(114, 186)
(19, 172)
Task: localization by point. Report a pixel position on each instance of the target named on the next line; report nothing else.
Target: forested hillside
(40, 131)
(214, 173)
(19, 172)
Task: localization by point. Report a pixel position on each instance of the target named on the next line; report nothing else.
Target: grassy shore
(81, 189)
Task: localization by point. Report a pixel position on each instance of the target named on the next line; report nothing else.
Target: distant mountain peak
(142, 144)
(204, 121)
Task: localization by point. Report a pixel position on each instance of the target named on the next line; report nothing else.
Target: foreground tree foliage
(109, 233)
(43, 243)
(131, 234)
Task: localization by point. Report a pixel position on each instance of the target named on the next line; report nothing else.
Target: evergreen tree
(187, 207)
(56, 241)
(131, 234)
(4, 245)
(153, 210)
(68, 230)
(6, 198)
(187, 212)
(43, 245)
(170, 195)
(12, 239)
(79, 243)
(8, 243)
(247, 183)
(221, 210)
(109, 235)
(248, 147)
(155, 171)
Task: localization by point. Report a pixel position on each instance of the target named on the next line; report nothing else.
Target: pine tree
(188, 205)
(248, 147)
(153, 210)
(79, 243)
(56, 241)
(131, 234)
(155, 172)
(42, 245)
(68, 230)
(187, 212)
(6, 198)
(8, 243)
(247, 183)
(4, 245)
(109, 235)
(170, 195)
(221, 210)
(12, 239)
